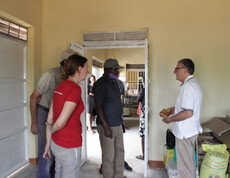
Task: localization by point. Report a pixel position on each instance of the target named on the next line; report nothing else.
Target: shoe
(140, 157)
(127, 167)
(100, 170)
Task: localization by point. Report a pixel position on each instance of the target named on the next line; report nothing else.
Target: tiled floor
(91, 166)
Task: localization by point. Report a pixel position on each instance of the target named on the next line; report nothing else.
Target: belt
(43, 108)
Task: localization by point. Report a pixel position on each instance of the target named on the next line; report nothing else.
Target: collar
(107, 80)
(187, 79)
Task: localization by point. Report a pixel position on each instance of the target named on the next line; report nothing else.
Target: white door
(80, 49)
(13, 107)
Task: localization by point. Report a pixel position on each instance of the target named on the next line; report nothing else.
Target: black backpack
(170, 139)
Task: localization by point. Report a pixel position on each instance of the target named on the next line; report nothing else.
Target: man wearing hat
(109, 109)
(40, 101)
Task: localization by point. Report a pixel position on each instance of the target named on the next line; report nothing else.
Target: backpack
(170, 139)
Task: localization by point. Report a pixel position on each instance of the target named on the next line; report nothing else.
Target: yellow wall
(127, 56)
(28, 13)
(124, 56)
(98, 53)
(177, 29)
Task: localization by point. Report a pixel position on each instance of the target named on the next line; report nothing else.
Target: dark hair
(189, 64)
(73, 62)
(90, 78)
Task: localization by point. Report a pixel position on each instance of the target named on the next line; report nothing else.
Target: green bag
(215, 161)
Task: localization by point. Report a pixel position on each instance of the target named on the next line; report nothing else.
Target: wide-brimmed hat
(66, 54)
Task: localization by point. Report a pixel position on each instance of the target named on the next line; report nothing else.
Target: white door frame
(81, 50)
(145, 46)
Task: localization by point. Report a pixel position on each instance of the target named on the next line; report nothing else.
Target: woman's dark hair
(189, 64)
(73, 62)
(90, 78)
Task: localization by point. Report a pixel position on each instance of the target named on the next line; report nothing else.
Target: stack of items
(169, 160)
(171, 168)
(205, 138)
(220, 126)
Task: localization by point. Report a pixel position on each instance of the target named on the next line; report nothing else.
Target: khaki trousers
(112, 152)
(185, 152)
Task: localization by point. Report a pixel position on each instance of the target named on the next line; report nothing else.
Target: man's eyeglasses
(179, 68)
(116, 69)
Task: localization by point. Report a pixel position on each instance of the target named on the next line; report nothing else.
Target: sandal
(140, 157)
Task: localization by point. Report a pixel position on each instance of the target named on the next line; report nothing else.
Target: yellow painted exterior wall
(177, 29)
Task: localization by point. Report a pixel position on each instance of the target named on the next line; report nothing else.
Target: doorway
(109, 42)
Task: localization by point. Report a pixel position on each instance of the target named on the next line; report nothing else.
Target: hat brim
(120, 67)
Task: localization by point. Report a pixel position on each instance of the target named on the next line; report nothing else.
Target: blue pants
(45, 167)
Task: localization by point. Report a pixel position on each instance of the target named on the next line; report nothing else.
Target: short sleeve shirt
(70, 135)
(189, 98)
(107, 93)
(121, 86)
(47, 84)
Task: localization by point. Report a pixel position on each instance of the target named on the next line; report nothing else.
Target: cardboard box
(220, 126)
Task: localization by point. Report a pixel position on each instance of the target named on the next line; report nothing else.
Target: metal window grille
(12, 29)
(134, 80)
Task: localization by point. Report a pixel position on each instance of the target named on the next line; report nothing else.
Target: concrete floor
(91, 166)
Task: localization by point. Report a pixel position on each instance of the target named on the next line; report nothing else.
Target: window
(134, 80)
(12, 29)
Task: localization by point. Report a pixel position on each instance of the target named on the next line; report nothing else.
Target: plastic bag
(215, 161)
(170, 139)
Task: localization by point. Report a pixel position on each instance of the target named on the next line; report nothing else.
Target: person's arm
(108, 132)
(49, 124)
(34, 100)
(140, 96)
(91, 94)
(67, 110)
(185, 114)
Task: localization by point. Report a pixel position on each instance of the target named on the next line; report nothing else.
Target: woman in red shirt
(64, 129)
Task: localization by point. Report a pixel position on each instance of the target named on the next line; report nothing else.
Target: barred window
(12, 29)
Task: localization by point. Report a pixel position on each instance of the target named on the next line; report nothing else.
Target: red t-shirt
(70, 135)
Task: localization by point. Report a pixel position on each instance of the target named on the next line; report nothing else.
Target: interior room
(176, 29)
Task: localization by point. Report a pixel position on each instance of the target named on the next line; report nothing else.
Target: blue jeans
(45, 167)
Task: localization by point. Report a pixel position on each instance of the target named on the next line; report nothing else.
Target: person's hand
(165, 119)
(34, 128)
(108, 132)
(47, 152)
(172, 110)
(38, 99)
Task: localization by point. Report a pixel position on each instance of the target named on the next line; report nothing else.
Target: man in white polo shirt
(186, 118)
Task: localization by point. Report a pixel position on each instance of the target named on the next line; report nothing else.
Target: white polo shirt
(190, 98)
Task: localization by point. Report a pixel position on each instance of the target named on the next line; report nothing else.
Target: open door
(80, 49)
